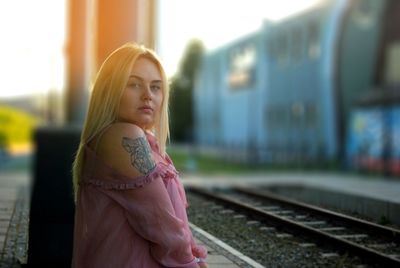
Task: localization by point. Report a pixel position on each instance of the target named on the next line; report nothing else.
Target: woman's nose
(146, 93)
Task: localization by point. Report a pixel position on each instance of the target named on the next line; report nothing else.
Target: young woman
(130, 203)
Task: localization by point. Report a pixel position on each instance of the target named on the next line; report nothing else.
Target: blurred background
(257, 85)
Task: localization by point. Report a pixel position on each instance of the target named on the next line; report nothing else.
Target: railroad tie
(332, 229)
(312, 223)
(352, 236)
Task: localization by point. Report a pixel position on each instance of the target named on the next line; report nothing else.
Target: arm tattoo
(140, 152)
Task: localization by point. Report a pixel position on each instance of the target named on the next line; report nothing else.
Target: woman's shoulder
(124, 147)
(120, 129)
(117, 134)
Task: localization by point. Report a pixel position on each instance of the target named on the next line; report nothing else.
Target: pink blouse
(124, 222)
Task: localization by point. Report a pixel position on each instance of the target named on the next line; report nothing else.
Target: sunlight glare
(32, 44)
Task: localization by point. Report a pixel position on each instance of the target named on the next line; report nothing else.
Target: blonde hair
(106, 94)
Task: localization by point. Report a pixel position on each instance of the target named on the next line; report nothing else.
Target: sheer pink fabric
(125, 222)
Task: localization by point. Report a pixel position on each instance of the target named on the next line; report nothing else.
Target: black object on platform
(52, 207)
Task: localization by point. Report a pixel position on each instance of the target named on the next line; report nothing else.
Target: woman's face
(141, 101)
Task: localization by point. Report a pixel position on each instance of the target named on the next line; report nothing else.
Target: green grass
(207, 164)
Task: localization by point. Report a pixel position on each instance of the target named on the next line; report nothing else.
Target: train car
(285, 92)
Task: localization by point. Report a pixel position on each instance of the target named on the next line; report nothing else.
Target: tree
(182, 86)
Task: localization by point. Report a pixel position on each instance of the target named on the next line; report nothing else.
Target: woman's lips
(146, 109)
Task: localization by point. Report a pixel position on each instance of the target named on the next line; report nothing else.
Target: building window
(272, 116)
(311, 114)
(282, 49)
(363, 13)
(297, 113)
(314, 43)
(297, 44)
(272, 48)
(242, 61)
(276, 116)
(392, 68)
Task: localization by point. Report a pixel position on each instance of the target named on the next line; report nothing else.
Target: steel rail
(392, 233)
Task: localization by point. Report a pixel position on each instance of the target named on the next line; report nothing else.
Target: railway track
(371, 242)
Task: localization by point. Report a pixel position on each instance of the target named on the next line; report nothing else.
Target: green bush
(15, 126)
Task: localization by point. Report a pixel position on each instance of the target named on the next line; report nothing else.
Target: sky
(215, 22)
(32, 34)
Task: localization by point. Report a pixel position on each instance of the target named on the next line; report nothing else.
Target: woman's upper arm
(125, 148)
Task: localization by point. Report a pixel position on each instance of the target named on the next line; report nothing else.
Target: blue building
(284, 93)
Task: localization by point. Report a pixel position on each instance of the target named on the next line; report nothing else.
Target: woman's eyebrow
(135, 76)
(141, 79)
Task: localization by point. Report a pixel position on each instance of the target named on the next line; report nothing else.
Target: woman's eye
(155, 87)
(135, 85)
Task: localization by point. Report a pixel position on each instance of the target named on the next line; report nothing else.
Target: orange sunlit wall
(116, 24)
(96, 28)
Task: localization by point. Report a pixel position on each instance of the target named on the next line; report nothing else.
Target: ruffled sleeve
(125, 183)
(150, 213)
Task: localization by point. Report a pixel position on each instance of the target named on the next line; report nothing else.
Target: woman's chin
(145, 124)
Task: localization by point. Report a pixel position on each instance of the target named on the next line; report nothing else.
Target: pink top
(124, 222)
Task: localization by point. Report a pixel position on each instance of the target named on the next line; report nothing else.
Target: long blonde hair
(106, 94)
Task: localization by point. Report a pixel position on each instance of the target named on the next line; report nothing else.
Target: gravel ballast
(264, 243)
